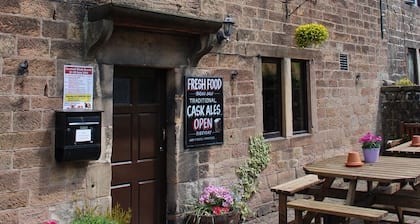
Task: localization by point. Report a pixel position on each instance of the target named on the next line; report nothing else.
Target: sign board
(203, 111)
(78, 87)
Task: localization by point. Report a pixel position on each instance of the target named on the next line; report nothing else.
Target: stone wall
(48, 34)
(33, 187)
(402, 29)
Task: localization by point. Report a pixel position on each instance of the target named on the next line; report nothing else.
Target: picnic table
(405, 150)
(403, 171)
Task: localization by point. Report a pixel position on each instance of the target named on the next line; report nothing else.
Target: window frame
(284, 71)
(414, 53)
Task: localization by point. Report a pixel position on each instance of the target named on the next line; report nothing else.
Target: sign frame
(203, 111)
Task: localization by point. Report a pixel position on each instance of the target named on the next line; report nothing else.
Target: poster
(203, 111)
(78, 87)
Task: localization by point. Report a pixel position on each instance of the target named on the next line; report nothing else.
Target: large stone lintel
(102, 21)
(96, 34)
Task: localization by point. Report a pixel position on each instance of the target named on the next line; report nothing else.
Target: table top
(405, 148)
(387, 170)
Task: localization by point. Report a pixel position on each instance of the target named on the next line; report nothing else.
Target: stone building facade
(368, 43)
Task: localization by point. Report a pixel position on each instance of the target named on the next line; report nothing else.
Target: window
(272, 102)
(299, 97)
(412, 65)
(282, 81)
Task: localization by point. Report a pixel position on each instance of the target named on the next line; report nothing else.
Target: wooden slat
(297, 185)
(368, 214)
(388, 169)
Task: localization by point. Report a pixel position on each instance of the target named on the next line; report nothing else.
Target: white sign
(83, 135)
(78, 87)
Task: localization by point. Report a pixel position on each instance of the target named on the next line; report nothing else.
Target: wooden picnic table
(402, 170)
(405, 150)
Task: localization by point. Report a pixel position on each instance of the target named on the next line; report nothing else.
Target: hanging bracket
(286, 2)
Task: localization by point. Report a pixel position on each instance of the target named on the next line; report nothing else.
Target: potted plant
(310, 34)
(216, 205)
(371, 145)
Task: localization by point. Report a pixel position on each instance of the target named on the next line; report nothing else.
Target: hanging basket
(310, 34)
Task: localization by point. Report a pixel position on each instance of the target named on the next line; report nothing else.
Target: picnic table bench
(321, 207)
(290, 188)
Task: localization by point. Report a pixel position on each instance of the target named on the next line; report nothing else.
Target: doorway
(138, 153)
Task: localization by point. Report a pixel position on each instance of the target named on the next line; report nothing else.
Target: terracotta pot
(353, 159)
(232, 217)
(415, 140)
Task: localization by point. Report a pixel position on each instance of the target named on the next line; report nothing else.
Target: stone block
(13, 200)
(188, 167)
(10, 6)
(47, 195)
(6, 120)
(46, 103)
(5, 160)
(26, 120)
(54, 29)
(27, 158)
(6, 84)
(9, 180)
(33, 215)
(30, 85)
(245, 88)
(98, 180)
(7, 45)
(20, 25)
(246, 111)
(9, 217)
(32, 178)
(33, 47)
(42, 8)
(66, 49)
(48, 118)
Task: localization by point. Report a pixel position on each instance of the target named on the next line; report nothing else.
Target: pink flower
(370, 141)
(51, 222)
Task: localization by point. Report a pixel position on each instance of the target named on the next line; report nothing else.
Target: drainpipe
(382, 18)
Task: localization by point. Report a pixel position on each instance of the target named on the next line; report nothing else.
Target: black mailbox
(78, 135)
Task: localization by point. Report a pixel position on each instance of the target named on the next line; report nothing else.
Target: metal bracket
(288, 14)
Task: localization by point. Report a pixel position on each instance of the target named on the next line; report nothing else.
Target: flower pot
(232, 217)
(371, 154)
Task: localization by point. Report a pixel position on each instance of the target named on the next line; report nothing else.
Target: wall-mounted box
(78, 135)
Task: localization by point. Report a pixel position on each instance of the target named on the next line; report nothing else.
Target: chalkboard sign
(203, 111)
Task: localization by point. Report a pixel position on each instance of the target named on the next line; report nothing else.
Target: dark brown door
(138, 152)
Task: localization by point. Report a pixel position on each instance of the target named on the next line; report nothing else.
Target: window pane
(271, 98)
(122, 89)
(299, 97)
(412, 65)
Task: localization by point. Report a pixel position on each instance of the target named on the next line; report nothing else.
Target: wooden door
(138, 152)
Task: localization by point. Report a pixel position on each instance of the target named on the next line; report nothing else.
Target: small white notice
(83, 135)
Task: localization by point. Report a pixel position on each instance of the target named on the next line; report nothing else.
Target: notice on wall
(203, 111)
(78, 87)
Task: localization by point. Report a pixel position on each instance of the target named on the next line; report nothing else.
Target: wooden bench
(289, 189)
(326, 208)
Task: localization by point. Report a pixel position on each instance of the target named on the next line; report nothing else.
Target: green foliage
(92, 215)
(310, 34)
(259, 157)
(404, 82)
